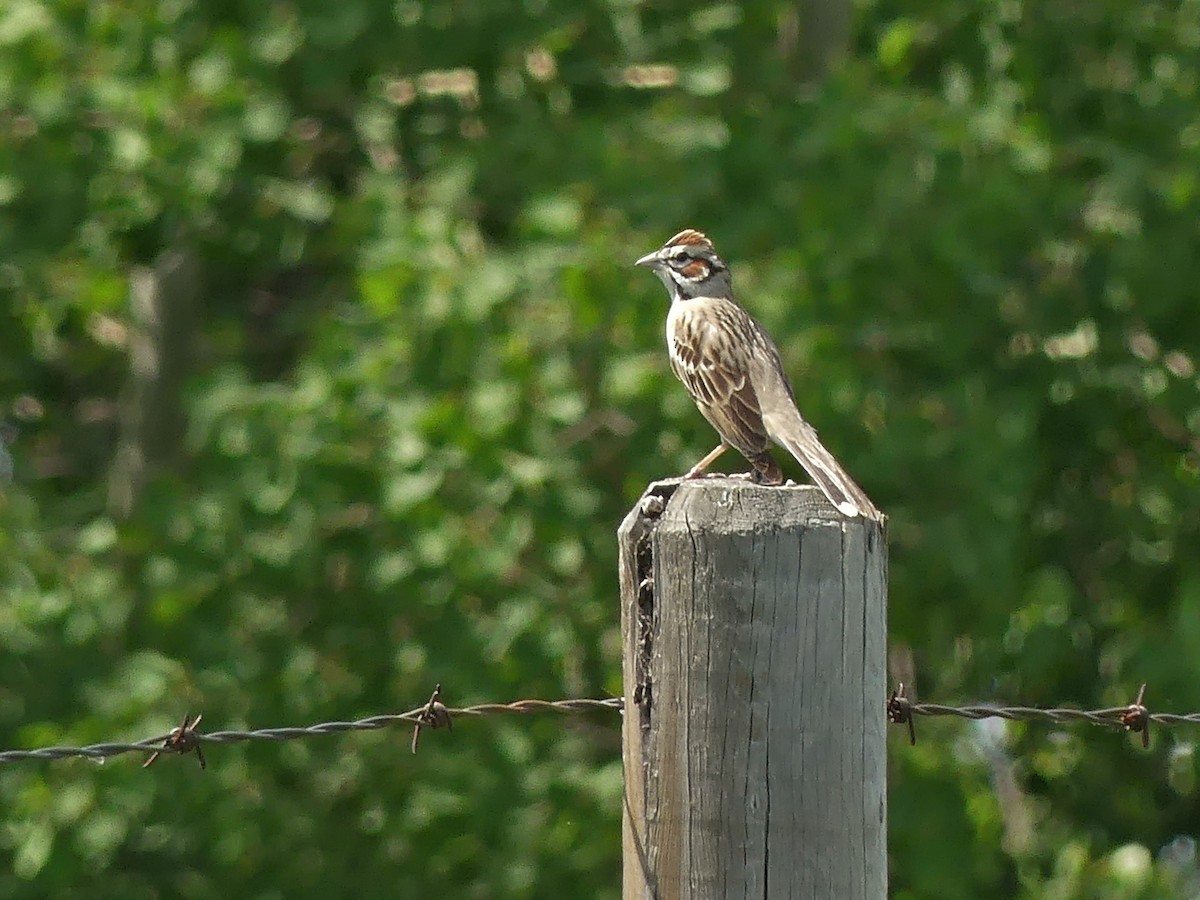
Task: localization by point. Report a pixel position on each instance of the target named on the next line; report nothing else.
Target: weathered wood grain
(754, 623)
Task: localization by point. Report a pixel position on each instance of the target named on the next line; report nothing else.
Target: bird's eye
(680, 256)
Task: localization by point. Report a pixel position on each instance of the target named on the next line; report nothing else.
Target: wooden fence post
(754, 623)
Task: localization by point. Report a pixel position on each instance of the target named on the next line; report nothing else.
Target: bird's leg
(698, 469)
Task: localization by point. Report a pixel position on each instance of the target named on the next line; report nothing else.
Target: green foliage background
(428, 385)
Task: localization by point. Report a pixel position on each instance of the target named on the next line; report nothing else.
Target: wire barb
(434, 715)
(183, 740)
(899, 710)
(1136, 718)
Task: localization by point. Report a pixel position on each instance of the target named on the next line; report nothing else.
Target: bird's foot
(767, 479)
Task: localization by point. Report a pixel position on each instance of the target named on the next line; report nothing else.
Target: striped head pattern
(689, 266)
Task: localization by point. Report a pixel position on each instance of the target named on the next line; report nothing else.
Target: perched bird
(733, 371)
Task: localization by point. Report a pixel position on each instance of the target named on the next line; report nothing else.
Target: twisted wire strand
(1112, 716)
(421, 716)
(417, 716)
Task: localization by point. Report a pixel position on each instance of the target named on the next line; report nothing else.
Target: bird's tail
(801, 441)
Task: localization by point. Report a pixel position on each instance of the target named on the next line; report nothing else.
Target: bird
(734, 372)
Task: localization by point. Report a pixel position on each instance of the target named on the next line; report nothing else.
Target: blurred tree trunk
(163, 306)
(814, 35)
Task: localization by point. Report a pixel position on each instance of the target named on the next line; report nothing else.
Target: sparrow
(733, 370)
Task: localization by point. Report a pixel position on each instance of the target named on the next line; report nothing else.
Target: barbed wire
(1134, 718)
(185, 738)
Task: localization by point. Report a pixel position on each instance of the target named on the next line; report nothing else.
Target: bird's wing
(708, 349)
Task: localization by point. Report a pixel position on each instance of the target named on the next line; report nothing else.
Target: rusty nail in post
(1137, 718)
(182, 739)
(899, 709)
(435, 715)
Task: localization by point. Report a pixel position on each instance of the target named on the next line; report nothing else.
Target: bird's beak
(650, 260)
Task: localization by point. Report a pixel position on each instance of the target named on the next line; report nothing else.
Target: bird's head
(689, 266)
